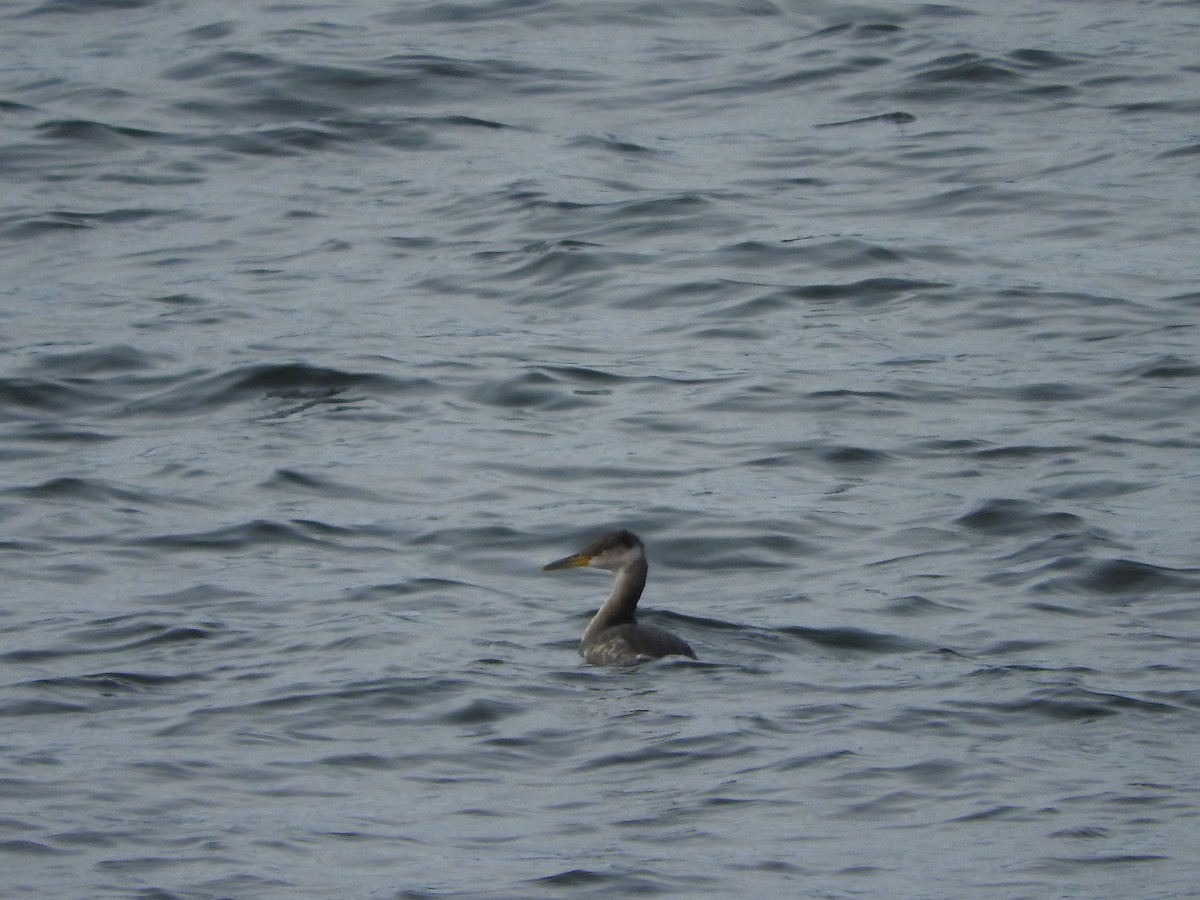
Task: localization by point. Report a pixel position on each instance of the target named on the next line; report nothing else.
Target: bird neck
(618, 608)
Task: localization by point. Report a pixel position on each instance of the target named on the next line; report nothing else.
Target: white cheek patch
(609, 560)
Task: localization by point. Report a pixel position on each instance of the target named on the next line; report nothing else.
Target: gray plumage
(614, 637)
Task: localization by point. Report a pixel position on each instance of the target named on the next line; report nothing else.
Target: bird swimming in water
(613, 637)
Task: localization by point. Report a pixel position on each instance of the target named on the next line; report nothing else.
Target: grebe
(614, 637)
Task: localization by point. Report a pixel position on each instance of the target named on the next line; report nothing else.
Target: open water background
(324, 325)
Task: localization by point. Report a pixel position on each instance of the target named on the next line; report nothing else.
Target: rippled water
(325, 325)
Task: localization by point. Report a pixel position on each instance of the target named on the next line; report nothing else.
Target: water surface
(324, 327)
